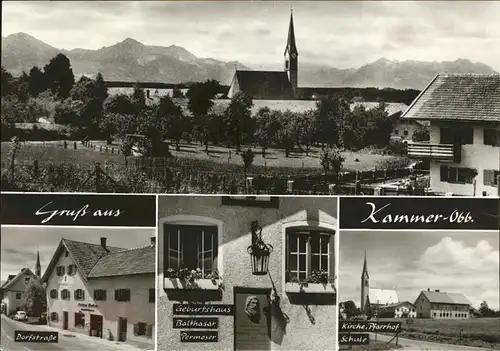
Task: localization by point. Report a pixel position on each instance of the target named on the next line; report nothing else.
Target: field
(479, 332)
(54, 152)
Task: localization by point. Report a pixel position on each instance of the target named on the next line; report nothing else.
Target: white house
(13, 291)
(102, 291)
(403, 309)
(464, 147)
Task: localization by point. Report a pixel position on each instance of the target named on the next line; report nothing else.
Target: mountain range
(131, 60)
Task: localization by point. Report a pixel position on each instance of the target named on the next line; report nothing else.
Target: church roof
(271, 85)
(383, 296)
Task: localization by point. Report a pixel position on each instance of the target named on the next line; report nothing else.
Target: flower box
(310, 288)
(197, 284)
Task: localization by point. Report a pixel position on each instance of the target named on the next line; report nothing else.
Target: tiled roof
(265, 84)
(467, 97)
(399, 304)
(446, 298)
(126, 262)
(383, 296)
(391, 107)
(14, 278)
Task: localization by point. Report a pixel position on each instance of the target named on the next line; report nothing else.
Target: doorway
(95, 325)
(122, 329)
(252, 319)
(65, 320)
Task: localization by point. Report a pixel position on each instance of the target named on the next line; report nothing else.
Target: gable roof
(383, 296)
(446, 298)
(272, 85)
(392, 108)
(87, 256)
(465, 97)
(15, 278)
(126, 262)
(399, 304)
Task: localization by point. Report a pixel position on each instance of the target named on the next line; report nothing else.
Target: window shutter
(149, 330)
(76, 294)
(83, 294)
(136, 329)
(117, 292)
(488, 177)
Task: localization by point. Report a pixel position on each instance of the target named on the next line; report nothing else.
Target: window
(309, 251)
(452, 135)
(72, 269)
(26, 280)
(53, 294)
(457, 175)
(405, 133)
(152, 295)
(60, 270)
(79, 294)
(54, 317)
(79, 320)
(491, 137)
(434, 314)
(66, 253)
(140, 329)
(100, 295)
(396, 131)
(19, 296)
(122, 295)
(65, 294)
(490, 177)
(182, 252)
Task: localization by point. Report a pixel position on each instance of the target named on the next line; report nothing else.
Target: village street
(419, 345)
(67, 340)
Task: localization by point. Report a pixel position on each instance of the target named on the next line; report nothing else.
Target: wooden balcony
(438, 152)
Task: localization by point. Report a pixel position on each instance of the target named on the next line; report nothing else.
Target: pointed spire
(38, 267)
(290, 45)
(365, 266)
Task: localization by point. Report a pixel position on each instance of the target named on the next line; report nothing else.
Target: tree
(59, 76)
(177, 93)
(200, 102)
(306, 129)
(35, 298)
(332, 161)
(7, 82)
(22, 87)
(350, 309)
(138, 99)
(174, 119)
(421, 134)
(266, 128)
(101, 90)
(239, 117)
(286, 136)
(247, 157)
(485, 311)
(329, 119)
(36, 82)
(381, 126)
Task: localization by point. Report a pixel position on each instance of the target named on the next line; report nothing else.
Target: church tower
(38, 267)
(291, 56)
(365, 287)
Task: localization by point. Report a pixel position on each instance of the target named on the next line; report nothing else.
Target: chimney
(103, 243)
(428, 289)
(153, 240)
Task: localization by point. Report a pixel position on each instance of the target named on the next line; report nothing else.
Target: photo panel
(247, 273)
(81, 286)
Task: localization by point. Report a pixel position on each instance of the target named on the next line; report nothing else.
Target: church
(12, 291)
(374, 299)
(278, 85)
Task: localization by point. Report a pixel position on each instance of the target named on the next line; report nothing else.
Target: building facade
(464, 147)
(13, 291)
(403, 309)
(102, 291)
(442, 305)
(294, 298)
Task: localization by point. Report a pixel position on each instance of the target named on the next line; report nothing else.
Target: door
(65, 320)
(122, 329)
(252, 320)
(95, 325)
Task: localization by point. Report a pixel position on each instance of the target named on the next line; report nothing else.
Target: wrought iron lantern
(259, 251)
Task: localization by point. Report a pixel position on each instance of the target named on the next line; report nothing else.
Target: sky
(19, 245)
(341, 34)
(463, 262)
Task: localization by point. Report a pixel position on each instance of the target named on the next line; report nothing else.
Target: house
(403, 309)
(442, 305)
(12, 291)
(102, 291)
(464, 147)
(272, 259)
(372, 299)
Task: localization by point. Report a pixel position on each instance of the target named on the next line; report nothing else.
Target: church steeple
(365, 268)
(38, 267)
(365, 288)
(291, 56)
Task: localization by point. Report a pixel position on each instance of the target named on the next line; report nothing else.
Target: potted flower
(318, 282)
(193, 279)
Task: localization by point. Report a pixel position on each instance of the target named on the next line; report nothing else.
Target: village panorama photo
(260, 97)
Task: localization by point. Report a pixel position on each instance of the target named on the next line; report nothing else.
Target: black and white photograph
(94, 288)
(441, 286)
(251, 97)
(239, 276)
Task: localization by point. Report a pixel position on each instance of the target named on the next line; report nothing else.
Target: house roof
(265, 84)
(126, 262)
(399, 304)
(446, 298)
(14, 278)
(88, 256)
(392, 108)
(465, 97)
(383, 296)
